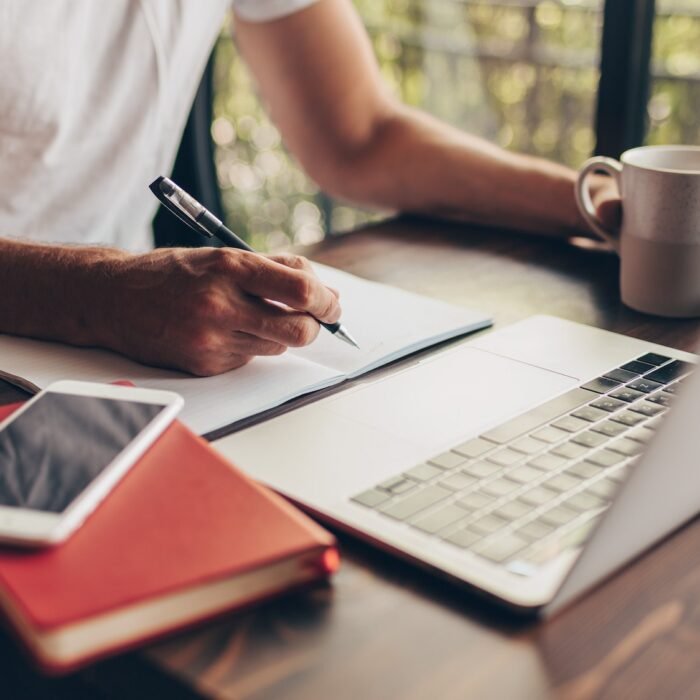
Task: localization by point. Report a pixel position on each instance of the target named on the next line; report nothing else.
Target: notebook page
(387, 322)
(210, 402)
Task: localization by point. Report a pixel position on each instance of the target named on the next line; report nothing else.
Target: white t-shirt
(94, 96)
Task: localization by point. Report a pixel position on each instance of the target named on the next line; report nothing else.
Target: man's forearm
(415, 163)
(321, 83)
(55, 292)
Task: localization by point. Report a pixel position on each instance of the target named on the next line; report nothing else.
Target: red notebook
(183, 537)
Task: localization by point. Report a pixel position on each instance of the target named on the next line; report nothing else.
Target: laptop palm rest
(329, 450)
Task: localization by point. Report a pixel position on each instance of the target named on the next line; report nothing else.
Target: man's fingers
(278, 324)
(299, 262)
(297, 288)
(247, 344)
(610, 213)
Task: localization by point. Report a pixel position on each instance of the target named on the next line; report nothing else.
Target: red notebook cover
(183, 520)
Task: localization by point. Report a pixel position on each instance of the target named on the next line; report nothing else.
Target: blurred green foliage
(522, 73)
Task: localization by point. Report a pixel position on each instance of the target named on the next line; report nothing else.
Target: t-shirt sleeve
(264, 10)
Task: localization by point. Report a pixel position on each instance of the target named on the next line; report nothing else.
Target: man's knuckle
(203, 342)
(303, 332)
(303, 291)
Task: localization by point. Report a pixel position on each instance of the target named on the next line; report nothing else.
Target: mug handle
(585, 203)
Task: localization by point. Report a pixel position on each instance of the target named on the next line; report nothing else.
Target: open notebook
(388, 323)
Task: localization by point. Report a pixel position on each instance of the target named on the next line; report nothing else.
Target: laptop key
(474, 448)
(621, 375)
(641, 434)
(583, 470)
(401, 510)
(528, 446)
(500, 487)
(652, 358)
(540, 415)
(570, 450)
(513, 510)
(562, 482)
(605, 458)
(503, 548)
(605, 489)
(619, 475)
(476, 500)
(458, 481)
(535, 530)
(559, 515)
(601, 385)
(439, 520)
(647, 409)
(524, 474)
(628, 418)
(397, 485)
(547, 462)
(488, 524)
(481, 469)
(589, 439)
(389, 484)
(577, 536)
(661, 398)
(626, 394)
(447, 460)
(505, 457)
(584, 501)
(550, 435)
(423, 472)
(645, 385)
(371, 498)
(589, 414)
(669, 372)
(538, 496)
(570, 424)
(463, 538)
(629, 448)
(608, 404)
(609, 428)
(654, 423)
(637, 367)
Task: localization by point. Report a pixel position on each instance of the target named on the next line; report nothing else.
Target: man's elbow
(350, 166)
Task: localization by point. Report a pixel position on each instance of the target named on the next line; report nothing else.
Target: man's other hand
(210, 310)
(606, 199)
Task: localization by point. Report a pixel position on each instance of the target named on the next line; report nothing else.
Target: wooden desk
(387, 630)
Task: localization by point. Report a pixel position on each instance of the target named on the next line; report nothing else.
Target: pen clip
(174, 208)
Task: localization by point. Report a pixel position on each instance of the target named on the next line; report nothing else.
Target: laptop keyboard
(527, 490)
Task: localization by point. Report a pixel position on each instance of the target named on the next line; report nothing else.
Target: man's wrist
(99, 290)
(58, 292)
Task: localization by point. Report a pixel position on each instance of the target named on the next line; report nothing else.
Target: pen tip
(343, 334)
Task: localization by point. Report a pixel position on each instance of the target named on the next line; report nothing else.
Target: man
(93, 101)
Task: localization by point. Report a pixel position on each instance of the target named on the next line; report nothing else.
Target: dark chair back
(194, 170)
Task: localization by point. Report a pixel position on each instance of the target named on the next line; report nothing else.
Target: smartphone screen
(52, 451)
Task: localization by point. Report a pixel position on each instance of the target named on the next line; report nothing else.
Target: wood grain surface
(385, 629)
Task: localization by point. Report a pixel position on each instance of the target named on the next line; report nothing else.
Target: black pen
(201, 220)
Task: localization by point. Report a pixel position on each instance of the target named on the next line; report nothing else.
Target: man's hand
(204, 310)
(209, 310)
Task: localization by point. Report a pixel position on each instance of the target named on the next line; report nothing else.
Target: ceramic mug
(659, 240)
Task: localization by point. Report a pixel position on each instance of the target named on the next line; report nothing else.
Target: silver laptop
(529, 463)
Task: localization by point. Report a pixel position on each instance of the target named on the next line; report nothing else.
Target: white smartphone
(62, 453)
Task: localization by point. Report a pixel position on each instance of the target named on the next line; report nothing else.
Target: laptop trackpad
(450, 397)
